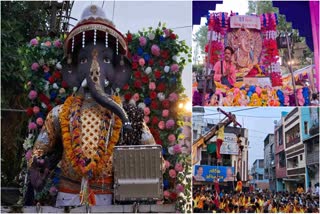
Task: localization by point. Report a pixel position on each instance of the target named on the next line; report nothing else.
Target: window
(260, 177)
(226, 160)
(282, 159)
(306, 127)
(301, 157)
(261, 165)
(204, 158)
(195, 134)
(280, 136)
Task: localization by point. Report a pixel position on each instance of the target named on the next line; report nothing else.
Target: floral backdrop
(158, 58)
(156, 87)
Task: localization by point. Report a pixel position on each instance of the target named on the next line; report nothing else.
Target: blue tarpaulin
(298, 13)
(201, 8)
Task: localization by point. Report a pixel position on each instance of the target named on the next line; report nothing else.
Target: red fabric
(216, 187)
(219, 143)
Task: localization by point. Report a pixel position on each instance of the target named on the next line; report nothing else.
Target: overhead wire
(114, 4)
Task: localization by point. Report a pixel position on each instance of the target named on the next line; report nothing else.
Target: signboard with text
(209, 173)
(251, 22)
(229, 145)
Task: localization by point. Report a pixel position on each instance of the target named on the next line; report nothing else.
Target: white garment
(317, 190)
(69, 199)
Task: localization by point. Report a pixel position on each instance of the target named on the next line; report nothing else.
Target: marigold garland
(72, 140)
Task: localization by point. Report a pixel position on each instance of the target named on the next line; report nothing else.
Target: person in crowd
(264, 202)
(219, 141)
(315, 99)
(225, 70)
(300, 189)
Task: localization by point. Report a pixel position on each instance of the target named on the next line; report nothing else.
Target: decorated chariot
(259, 79)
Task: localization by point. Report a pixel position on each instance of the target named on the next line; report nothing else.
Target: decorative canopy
(94, 25)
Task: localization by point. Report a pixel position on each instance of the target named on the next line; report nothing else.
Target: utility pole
(291, 71)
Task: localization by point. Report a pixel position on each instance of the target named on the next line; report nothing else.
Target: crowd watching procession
(259, 201)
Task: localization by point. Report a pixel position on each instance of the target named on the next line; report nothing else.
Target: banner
(229, 145)
(209, 173)
(252, 22)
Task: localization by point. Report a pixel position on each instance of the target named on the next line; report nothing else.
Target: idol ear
(69, 72)
(122, 67)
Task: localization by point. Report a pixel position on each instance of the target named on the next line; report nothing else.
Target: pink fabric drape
(314, 15)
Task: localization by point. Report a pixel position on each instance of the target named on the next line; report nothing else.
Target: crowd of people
(210, 201)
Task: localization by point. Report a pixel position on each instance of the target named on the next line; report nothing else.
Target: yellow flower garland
(72, 147)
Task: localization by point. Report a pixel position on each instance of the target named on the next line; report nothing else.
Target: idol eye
(83, 60)
(106, 60)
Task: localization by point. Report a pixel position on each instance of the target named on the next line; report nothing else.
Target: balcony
(314, 129)
(312, 158)
(293, 141)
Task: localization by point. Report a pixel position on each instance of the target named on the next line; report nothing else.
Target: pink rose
(143, 41)
(155, 50)
(167, 32)
(32, 126)
(45, 68)
(152, 86)
(166, 194)
(258, 90)
(146, 119)
(172, 173)
(174, 68)
(32, 95)
(57, 43)
(29, 154)
(169, 124)
(35, 66)
(178, 167)
(173, 97)
(47, 43)
(136, 97)
(36, 109)
(161, 125)
(236, 91)
(171, 138)
(179, 188)
(177, 149)
(53, 191)
(34, 42)
(165, 113)
(167, 164)
(146, 111)
(39, 121)
(141, 62)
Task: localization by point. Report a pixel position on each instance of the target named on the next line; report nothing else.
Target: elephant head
(95, 54)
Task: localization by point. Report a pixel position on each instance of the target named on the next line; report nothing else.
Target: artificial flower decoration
(45, 89)
(157, 68)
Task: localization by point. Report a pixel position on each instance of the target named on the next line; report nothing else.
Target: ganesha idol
(80, 134)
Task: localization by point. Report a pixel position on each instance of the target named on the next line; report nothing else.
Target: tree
(20, 22)
(201, 37)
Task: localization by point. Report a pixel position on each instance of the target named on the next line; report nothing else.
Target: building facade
(294, 151)
(280, 155)
(310, 138)
(269, 161)
(257, 172)
(229, 149)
